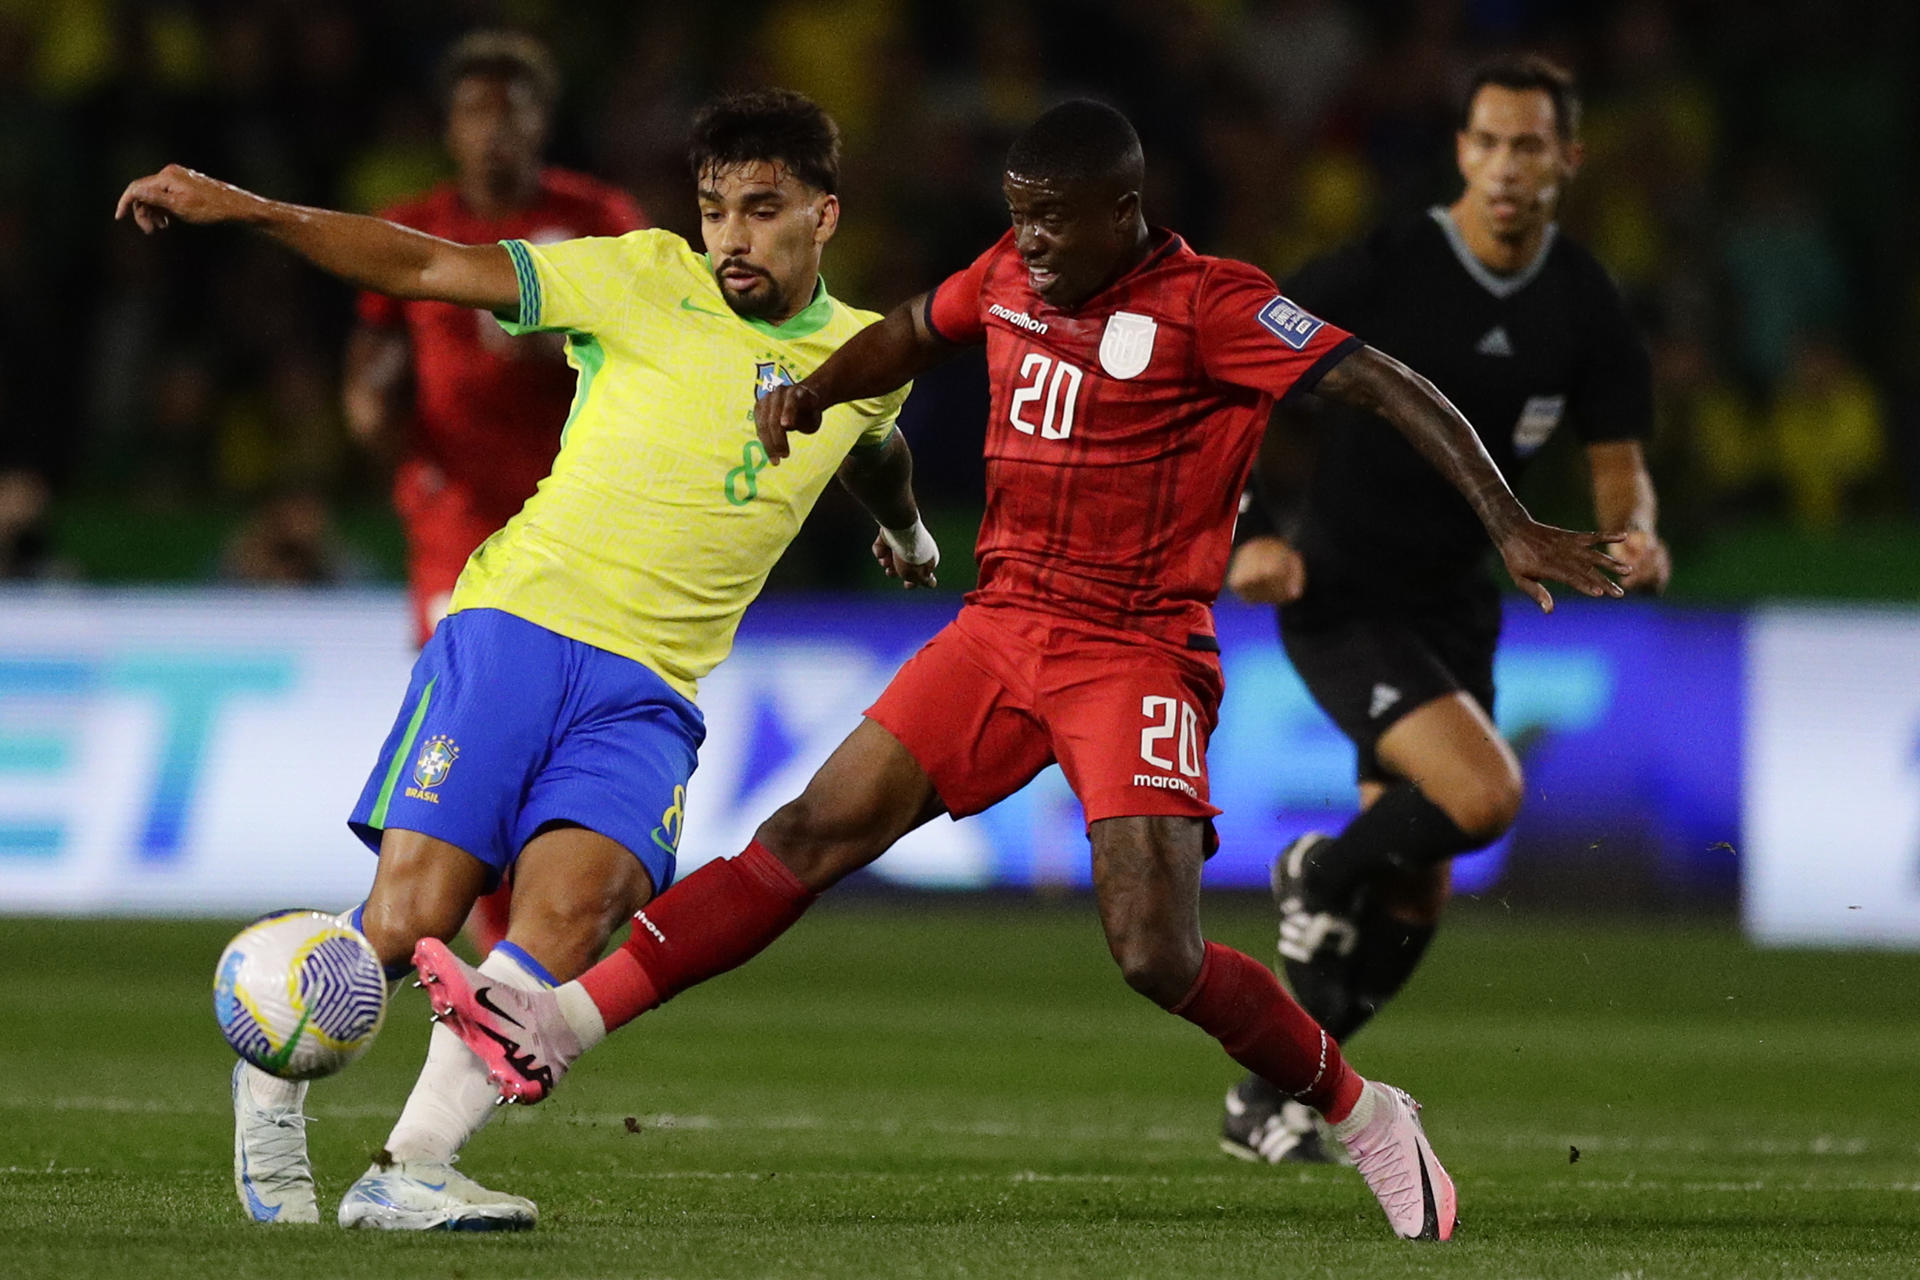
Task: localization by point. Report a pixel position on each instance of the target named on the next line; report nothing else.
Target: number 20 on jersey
(1049, 389)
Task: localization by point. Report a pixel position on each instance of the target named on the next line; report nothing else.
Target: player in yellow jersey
(549, 728)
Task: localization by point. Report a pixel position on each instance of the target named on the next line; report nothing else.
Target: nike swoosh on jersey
(687, 304)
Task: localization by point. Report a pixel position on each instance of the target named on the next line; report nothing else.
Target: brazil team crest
(435, 761)
(768, 374)
(1127, 345)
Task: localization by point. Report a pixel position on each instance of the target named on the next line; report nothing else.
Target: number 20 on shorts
(1168, 718)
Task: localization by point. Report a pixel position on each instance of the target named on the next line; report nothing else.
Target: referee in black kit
(1387, 608)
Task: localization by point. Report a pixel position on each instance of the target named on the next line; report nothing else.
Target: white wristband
(915, 546)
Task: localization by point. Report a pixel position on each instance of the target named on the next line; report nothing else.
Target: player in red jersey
(479, 431)
(484, 419)
(1131, 381)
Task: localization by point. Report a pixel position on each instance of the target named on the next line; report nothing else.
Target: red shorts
(1001, 693)
(444, 524)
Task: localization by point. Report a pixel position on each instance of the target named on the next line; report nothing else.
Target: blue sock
(526, 962)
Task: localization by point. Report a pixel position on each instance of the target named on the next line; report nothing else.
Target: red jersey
(1121, 432)
(489, 408)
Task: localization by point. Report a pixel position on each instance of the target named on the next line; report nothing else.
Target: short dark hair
(1080, 138)
(509, 55)
(1529, 71)
(776, 125)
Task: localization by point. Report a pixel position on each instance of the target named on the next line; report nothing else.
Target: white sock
(453, 1097)
(581, 1013)
(1357, 1118)
(272, 1091)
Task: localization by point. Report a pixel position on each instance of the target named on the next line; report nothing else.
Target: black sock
(1388, 952)
(1325, 990)
(1401, 831)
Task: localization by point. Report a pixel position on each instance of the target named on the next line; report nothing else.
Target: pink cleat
(1392, 1153)
(520, 1035)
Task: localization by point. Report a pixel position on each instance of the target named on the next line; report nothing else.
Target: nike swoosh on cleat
(434, 1186)
(1429, 1212)
(481, 998)
(520, 1062)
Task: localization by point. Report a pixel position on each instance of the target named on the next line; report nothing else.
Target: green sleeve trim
(401, 754)
(589, 356)
(529, 278)
(867, 448)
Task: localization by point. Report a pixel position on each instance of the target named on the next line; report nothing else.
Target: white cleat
(270, 1169)
(1391, 1151)
(419, 1195)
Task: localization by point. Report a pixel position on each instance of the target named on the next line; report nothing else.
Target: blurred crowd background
(169, 410)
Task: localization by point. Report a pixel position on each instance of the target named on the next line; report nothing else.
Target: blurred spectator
(1783, 267)
(290, 540)
(26, 546)
(1828, 434)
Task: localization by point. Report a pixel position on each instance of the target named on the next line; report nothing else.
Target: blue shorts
(508, 727)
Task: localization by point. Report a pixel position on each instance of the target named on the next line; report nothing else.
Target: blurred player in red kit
(1131, 383)
(480, 428)
(470, 417)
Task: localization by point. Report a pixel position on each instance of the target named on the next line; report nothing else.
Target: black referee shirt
(1518, 355)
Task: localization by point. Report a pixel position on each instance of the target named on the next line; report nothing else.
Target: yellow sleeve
(882, 414)
(578, 285)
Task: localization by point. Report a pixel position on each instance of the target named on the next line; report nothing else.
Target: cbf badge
(1127, 345)
(431, 767)
(768, 374)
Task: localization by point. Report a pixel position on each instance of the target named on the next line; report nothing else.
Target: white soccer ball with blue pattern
(299, 994)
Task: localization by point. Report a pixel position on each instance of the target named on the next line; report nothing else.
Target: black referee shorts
(1368, 667)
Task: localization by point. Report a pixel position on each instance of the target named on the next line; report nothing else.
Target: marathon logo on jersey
(435, 762)
(1127, 345)
(1289, 323)
(1018, 319)
(1163, 782)
(768, 374)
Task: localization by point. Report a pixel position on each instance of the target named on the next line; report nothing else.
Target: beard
(762, 302)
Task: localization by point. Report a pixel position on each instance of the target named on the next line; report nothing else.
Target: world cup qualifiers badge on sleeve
(432, 767)
(1289, 323)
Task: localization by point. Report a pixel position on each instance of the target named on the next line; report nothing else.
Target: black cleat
(1264, 1126)
(1313, 929)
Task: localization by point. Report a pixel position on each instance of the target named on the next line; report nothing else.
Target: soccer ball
(299, 995)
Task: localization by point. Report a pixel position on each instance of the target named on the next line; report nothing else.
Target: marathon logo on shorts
(435, 762)
(1289, 323)
(1018, 319)
(1161, 782)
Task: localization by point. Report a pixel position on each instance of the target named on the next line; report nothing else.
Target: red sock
(717, 918)
(1239, 1002)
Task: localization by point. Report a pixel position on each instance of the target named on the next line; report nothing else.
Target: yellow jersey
(661, 518)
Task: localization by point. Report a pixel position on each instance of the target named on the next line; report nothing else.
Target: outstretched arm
(1372, 380)
(1623, 498)
(881, 479)
(882, 357)
(367, 252)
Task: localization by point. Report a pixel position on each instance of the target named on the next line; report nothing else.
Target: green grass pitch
(927, 1088)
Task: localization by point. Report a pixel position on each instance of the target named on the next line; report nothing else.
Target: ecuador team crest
(768, 374)
(435, 761)
(1127, 345)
